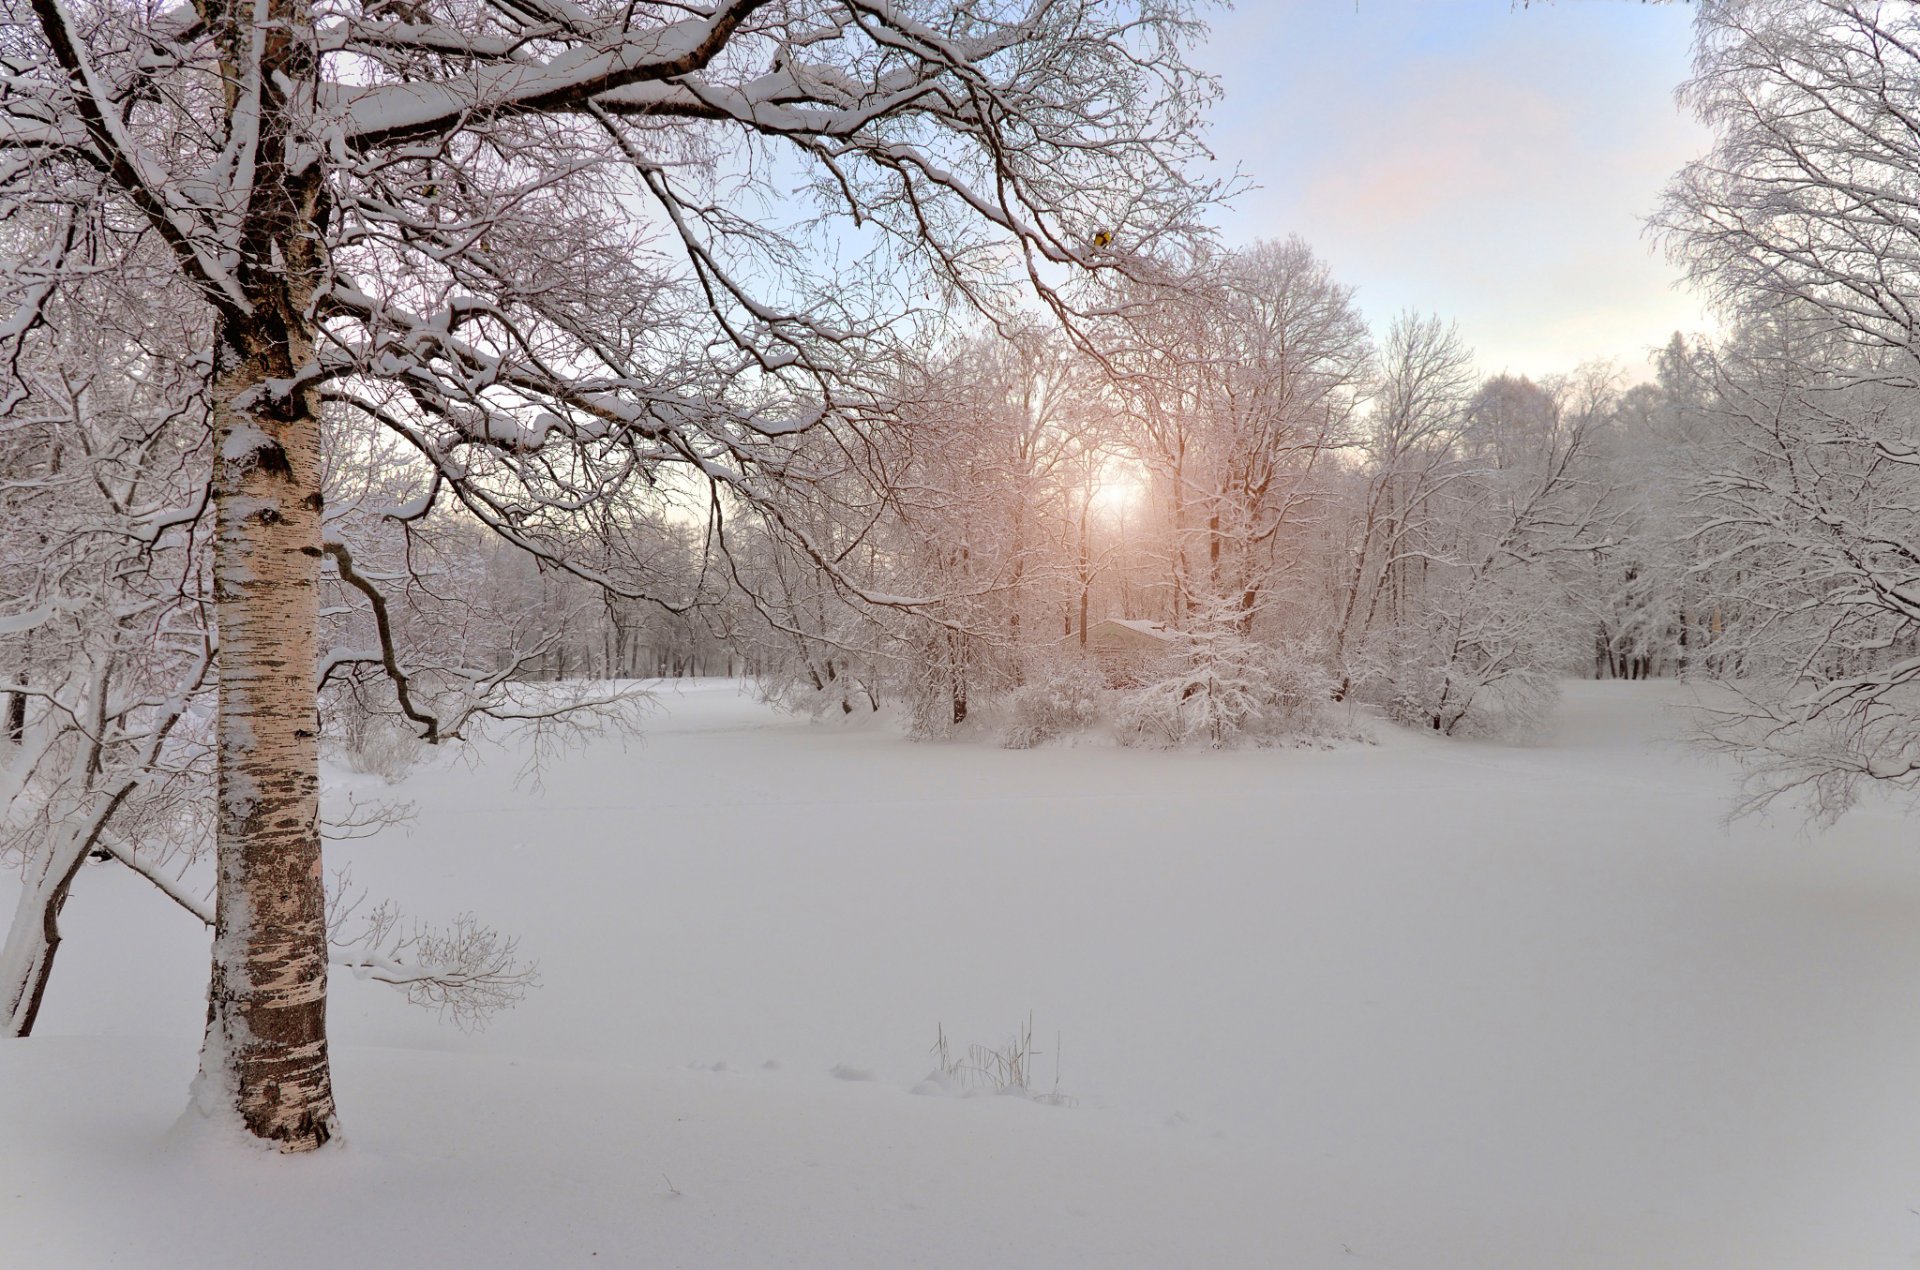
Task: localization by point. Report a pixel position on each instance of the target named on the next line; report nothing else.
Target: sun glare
(1120, 487)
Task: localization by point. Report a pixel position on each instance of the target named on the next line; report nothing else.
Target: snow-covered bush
(378, 744)
(820, 687)
(1222, 686)
(1483, 662)
(948, 679)
(1064, 699)
(1515, 703)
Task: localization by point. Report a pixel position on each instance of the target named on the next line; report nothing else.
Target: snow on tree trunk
(26, 960)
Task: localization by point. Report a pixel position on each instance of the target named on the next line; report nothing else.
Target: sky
(1489, 163)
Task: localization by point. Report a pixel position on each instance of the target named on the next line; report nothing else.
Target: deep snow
(1418, 1004)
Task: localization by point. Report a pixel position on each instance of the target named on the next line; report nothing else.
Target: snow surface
(1420, 1004)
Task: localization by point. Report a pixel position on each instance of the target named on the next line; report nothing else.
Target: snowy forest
(396, 394)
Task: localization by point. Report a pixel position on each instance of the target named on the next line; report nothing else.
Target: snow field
(1418, 1004)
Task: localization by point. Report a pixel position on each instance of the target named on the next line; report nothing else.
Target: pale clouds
(1489, 164)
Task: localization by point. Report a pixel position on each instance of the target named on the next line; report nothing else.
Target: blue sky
(1489, 163)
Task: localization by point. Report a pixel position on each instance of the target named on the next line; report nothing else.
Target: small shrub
(1466, 699)
(1515, 707)
(1065, 699)
(382, 745)
(830, 688)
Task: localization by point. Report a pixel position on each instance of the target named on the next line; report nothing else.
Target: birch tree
(105, 621)
(528, 238)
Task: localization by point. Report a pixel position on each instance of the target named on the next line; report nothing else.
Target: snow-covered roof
(1158, 630)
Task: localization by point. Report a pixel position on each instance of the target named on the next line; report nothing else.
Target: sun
(1120, 487)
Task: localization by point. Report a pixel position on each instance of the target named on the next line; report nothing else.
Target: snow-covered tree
(1805, 203)
(106, 633)
(528, 239)
(1219, 685)
(1241, 383)
(1635, 585)
(1409, 447)
(1804, 221)
(108, 629)
(1814, 547)
(1489, 624)
(986, 484)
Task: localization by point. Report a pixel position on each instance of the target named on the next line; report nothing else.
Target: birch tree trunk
(265, 1053)
(266, 1045)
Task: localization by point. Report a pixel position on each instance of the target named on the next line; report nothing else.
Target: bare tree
(1810, 554)
(1805, 203)
(1636, 587)
(985, 466)
(105, 624)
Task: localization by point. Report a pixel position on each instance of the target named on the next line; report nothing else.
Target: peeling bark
(265, 1054)
(264, 1059)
